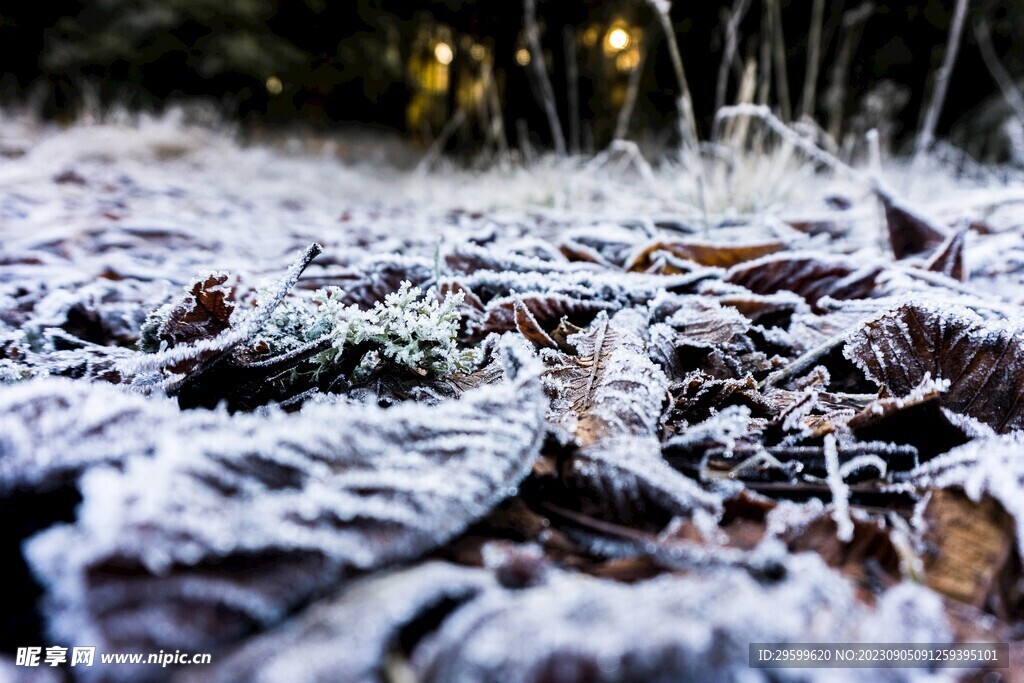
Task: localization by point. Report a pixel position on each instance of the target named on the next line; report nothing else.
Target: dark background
(340, 62)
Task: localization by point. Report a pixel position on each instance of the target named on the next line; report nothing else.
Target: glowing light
(443, 53)
(274, 85)
(478, 52)
(522, 56)
(590, 36)
(627, 61)
(617, 39)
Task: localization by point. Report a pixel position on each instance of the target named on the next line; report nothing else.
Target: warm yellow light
(627, 61)
(590, 36)
(274, 85)
(522, 56)
(617, 39)
(443, 53)
(478, 52)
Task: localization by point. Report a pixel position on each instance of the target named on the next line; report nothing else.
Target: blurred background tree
(464, 67)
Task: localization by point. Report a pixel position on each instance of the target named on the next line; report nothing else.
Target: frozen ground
(615, 459)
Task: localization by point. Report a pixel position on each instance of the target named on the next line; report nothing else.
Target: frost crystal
(840, 492)
(323, 642)
(983, 362)
(991, 466)
(256, 514)
(673, 628)
(631, 479)
(692, 627)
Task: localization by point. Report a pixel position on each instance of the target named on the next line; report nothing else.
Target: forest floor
(623, 421)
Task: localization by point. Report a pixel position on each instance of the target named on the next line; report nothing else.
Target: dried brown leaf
(949, 257)
(255, 515)
(909, 232)
(545, 308)
(528, 326)
(967, 545)
(703, 253)
(917, 420)
(203, 313)
(869, 558)
(810, 276)
(611, 387)
(982, 361)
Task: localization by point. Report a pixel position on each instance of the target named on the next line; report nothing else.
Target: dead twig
(926, 136)
(732, 28)
(996, 69)
(813, 59)
(540, 70)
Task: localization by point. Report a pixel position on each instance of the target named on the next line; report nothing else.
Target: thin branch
(804, 363)
(690, 139)
(573, 76)
(688, 123)
(437, 146)
(926, 136)
(778, 41)
(813, 59)
(835, 95)
(765, 115)
(995, 67)
(632, 91)
(732, 28)
(541, 70)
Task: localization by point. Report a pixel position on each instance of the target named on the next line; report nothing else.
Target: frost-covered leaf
(103, 312)
(610, 387)
(910, 233)
(703, 253)
(698, 321)
(545, 307)
(991, 468)
(699, 395)
(626, 479)
(948, 259)
(52, 430)
(969, 545)
(982, 362)
(613, 289)
(573, 628)
(917, 419)
(812, 276)
(466, 258)
(608, 245)
(869, 557)
(531, 329)
(724, 431)
(769, 310)
(255, 515)
(204, 312)
(686, 330)
(349, 636)
(672, 628)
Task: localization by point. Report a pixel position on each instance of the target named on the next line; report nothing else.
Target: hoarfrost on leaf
(610, 387)
(983, 362)
(255, 515)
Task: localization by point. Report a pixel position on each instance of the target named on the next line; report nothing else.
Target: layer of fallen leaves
(674, 442)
